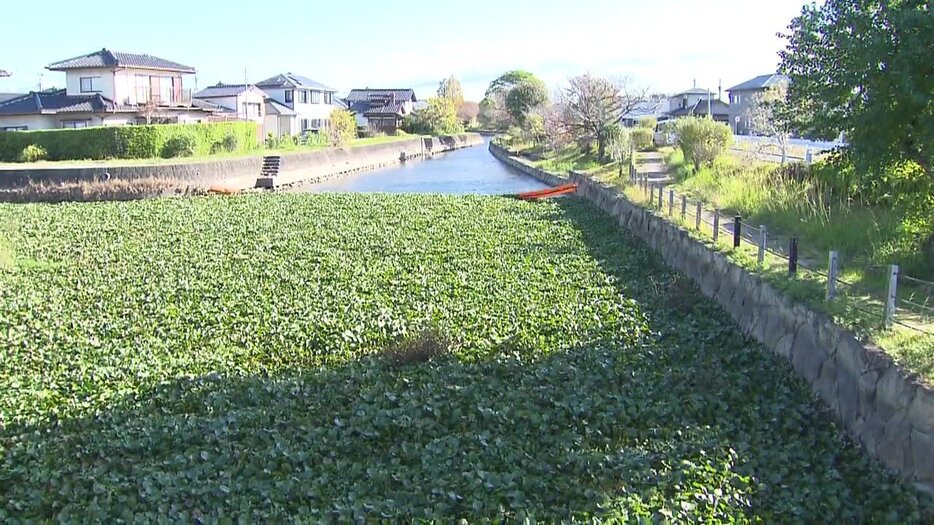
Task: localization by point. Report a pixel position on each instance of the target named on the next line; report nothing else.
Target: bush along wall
(132, 142)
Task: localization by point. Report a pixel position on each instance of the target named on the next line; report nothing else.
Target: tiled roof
(362, 95)
(113, 59)
(284, 80)
(4, 73)
(8, 96)
(394, 108)
(222, 90)
(339, 102)
(760, 82)
(273, 107)
(646, 108)
(56, 101)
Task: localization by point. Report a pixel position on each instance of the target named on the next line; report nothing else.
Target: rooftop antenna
(695, 83)
(720, 89)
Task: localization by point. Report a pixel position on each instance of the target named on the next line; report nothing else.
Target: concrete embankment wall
(142, 181)
(889, 411)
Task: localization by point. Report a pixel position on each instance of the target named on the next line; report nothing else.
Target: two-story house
(109, 88)
(381, 109)
(743, 97)
(299, 104)
(698, 102)
(245, 101)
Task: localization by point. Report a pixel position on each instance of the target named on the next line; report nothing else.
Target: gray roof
(693, 91)
(4, 73)
(393, 108)
(222, 90)
(339, 102)
(56, 101)
(760, 82)
(717, 107)
(646, 108)
(285, 80)
(7, 96)
(273, 107)
(364, 95)
(114, 59)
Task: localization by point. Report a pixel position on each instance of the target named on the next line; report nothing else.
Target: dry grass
(423, 347)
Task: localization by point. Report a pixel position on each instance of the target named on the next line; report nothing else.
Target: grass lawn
(865, 237)
(201, 158)
(215, 358)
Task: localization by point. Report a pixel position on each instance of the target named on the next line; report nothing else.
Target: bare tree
(763, 117)
(555, 132)
(592, 104)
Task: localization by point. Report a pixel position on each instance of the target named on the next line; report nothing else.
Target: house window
(289, 95)
(305, 124)
(303, 96)
(328, 97)
(315, 97)
(75, 124)
(15, 128)
(90, 84)
(251, 109)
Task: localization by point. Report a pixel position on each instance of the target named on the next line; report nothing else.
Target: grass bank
(214, 358)
(867, 238)
(198, 158)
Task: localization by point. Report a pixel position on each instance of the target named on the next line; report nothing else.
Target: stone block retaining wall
(889, 411)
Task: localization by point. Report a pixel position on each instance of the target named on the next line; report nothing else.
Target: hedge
(128, 142)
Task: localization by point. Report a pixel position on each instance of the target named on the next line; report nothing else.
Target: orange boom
(548, 193)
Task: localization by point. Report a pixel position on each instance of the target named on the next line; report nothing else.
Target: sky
(663, 45)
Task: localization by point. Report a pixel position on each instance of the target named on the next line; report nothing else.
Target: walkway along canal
(469, 170)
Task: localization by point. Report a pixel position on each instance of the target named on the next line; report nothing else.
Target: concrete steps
(271, 165)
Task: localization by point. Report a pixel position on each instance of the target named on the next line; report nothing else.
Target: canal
(469, 170)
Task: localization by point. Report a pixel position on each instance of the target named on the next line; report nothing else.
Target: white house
(299, 104)
(109, 88)
(246, 101)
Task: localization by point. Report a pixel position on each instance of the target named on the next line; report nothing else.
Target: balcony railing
(163, 97)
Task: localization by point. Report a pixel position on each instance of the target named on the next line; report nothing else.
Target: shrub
(647, 123)
(702, 139)
(33, 153)
(422, 348)
(342, 128)
(642, 138)
(228, 144)
(126, 142)
(180, 146)
(618, 141)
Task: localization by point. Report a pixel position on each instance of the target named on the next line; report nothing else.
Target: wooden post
(645, 186)
(716, 225)
(793, 257)
(891, 296)
(684, 207)
(660, 191)
(737, 230)
(763, 242)
(832, 275)
(671, 202)
(697, 217)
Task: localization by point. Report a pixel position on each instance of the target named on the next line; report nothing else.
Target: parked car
(664, 133)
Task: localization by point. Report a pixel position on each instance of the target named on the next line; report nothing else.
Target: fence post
(832, 276)
(716, 225)
(737, 230)
(661, 189)
(671, 202)
(793, 257)
(684, 207)
(697, 218)
(891, 295)
(645, 187)
(763, 242)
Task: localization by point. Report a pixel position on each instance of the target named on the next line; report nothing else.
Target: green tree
(864, 68)
(450, 88)
(439, 117)
(702, 139)
(509, 98)
(342, 128)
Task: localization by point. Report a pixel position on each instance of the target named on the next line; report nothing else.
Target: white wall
(30, 121)
(118, 85)
(321, 111)
(73, 82)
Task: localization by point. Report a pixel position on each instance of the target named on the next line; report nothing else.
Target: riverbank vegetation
(342, 357)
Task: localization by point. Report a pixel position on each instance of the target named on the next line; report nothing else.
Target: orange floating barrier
(548, 193)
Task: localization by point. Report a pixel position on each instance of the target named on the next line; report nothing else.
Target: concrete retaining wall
(240, 173)
(885, 408)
